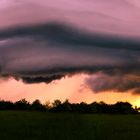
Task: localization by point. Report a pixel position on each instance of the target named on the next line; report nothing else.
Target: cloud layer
(118, 83)
(46, 52)
(119, 17)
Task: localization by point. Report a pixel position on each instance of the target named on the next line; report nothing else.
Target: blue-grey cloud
(46, 52)
(118, 83)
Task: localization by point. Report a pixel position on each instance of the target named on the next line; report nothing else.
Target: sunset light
(83, 51)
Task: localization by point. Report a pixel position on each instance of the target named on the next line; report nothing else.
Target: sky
(81, 50)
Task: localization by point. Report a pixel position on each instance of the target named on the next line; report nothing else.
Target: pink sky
(119, 17)
(72, 88)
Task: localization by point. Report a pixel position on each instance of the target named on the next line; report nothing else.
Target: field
(20, 125)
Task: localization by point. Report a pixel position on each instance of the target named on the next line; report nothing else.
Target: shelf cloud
(50, 51)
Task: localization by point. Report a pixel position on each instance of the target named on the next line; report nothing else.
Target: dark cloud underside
(46, 52)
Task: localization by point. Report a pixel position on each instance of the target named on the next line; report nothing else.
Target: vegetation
(66, 106)
(35, 121)
(27, 125)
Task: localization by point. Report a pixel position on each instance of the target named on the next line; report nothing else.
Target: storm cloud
(50, 51)
(118, 83)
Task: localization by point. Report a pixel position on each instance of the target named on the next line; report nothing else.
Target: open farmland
(67, 126)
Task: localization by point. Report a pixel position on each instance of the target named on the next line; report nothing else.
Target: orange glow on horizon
(71, 88)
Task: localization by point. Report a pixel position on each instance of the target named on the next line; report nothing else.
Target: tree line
(66, 106)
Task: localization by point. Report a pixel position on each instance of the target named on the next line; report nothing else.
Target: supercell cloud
(62, 41)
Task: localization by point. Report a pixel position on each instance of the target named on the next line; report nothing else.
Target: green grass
(17, 125)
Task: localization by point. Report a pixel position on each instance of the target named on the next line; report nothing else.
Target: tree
(123, 107)
(22, 105)
(6, 105)
(36, 105)
(56, 103)
(66, 106)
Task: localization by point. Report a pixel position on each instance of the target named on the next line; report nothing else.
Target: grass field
(20, 125)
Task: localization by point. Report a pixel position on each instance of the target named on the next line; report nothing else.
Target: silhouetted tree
(22, 105)
(83, 107)
(36, 105)
(66, 106)
(123, 108)
(56, 103)
(6, 105)
(47, 105)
